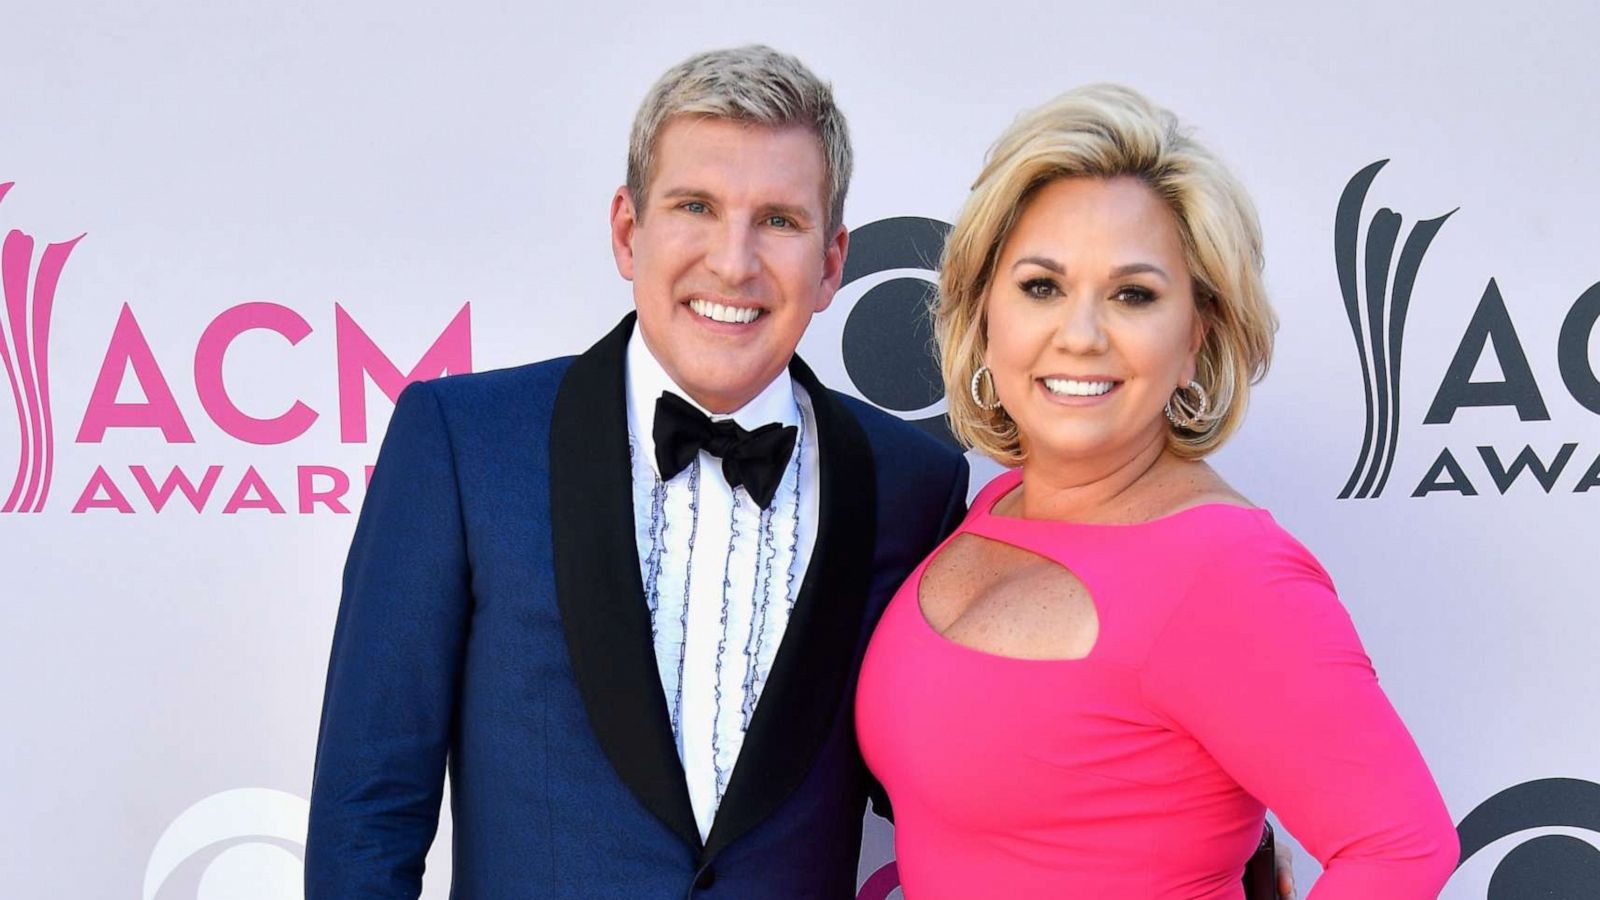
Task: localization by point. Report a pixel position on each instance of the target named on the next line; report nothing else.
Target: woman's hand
(1285, 860)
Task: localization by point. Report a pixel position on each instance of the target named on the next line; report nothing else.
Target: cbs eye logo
(244, 844)
(1551, 866)
(888, 338)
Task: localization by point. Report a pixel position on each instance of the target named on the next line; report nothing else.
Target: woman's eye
(1134, 295)
(1039, 288)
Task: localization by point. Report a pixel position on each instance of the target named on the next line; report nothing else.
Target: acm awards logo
(25, 350)
(1377, 307)
(130, 360)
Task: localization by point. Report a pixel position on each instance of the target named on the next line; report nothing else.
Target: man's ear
(624, 220)
(833, 254)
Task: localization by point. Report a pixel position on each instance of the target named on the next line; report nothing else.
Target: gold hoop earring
(977, 397)
(1185, 414)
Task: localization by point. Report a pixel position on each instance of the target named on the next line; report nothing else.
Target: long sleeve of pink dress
(1226, 678)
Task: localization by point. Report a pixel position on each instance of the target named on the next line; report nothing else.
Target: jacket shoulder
(893, 438)
(536, 382)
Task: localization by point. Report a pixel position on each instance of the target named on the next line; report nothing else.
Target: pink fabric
(1226, 675)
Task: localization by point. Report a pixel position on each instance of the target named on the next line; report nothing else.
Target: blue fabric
(449, 653)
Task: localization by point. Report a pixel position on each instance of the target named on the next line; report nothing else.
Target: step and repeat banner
(233, 232)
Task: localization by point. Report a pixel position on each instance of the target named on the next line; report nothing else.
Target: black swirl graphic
(1379, 324)
(888, 338)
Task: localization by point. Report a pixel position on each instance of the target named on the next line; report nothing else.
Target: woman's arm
(1262, 665)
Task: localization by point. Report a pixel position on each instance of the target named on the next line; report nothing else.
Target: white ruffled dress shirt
(720, 574)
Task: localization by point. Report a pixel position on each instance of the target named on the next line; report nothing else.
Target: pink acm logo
(25, 348)
(129, 357)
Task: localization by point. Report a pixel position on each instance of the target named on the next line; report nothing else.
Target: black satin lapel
(805, 690)
(598, 588)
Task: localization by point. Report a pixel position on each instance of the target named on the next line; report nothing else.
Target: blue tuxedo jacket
(492, 624)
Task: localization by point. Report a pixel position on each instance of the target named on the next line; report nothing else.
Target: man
(624, 596)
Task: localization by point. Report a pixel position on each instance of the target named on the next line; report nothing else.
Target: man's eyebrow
(685, 193)
(798, 213)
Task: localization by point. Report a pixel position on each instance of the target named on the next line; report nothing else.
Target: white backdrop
(163, 670)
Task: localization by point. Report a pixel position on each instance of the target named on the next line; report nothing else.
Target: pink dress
(1226, 675)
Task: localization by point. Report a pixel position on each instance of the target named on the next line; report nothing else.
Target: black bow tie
(753, 459)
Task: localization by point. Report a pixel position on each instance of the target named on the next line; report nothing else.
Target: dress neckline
(1007, 482)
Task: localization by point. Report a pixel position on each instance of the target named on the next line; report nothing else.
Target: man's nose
(732, 255)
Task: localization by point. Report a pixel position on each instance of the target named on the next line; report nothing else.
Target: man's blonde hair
(754, 84)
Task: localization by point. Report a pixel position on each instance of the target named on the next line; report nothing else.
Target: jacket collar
(607, 626)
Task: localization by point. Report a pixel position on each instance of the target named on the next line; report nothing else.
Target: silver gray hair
(756, 84)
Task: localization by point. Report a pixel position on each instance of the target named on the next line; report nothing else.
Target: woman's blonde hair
(1107, 131)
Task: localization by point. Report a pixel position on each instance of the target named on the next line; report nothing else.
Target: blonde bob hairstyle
(1107, 131)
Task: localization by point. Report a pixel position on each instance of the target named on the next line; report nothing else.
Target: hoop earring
(1185, 414)
(978, 397)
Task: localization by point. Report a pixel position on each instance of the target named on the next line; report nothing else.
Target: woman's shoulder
(1243, 555)
(997, 487)
(1248, 583)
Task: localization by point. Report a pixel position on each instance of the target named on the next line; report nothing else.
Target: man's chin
(727, 390)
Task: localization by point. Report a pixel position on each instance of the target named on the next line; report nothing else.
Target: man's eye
(695, 206)
(779, 222)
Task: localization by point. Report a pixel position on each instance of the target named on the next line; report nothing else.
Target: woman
(1097, 685)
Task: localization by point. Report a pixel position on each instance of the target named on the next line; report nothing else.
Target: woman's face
(1091, 320)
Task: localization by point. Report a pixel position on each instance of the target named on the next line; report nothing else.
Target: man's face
(728, 254)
